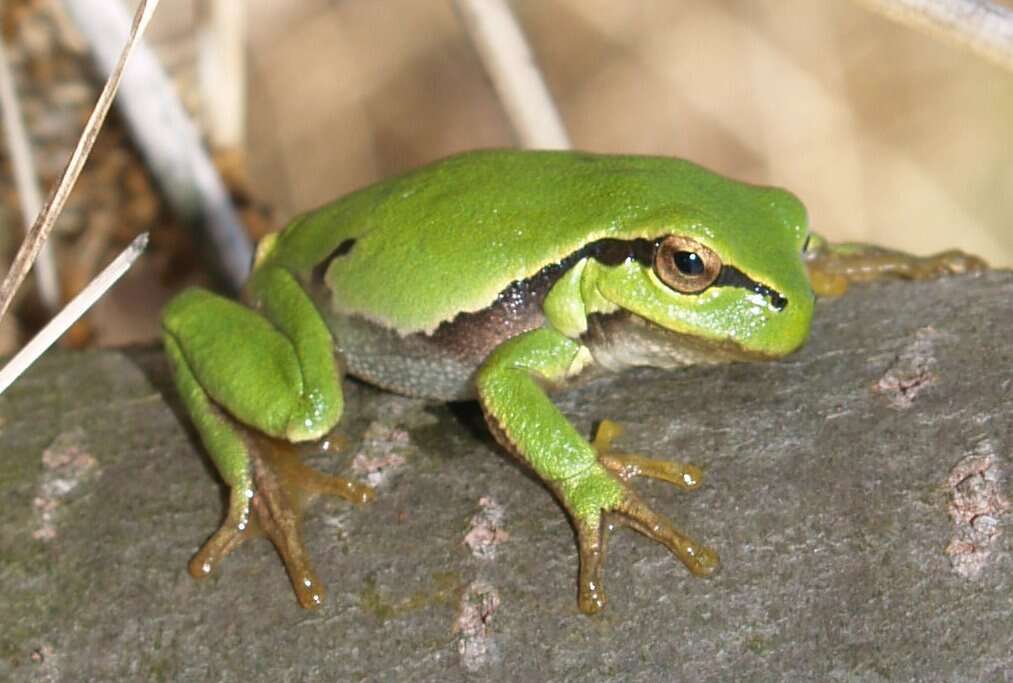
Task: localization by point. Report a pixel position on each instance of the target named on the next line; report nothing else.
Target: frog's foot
(833, 267)
(283, 486)
(635, 514)
(630, 511)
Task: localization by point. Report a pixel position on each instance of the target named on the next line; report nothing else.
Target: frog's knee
(246, 366)
(312, 418)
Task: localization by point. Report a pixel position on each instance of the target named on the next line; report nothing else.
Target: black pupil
(688, 263)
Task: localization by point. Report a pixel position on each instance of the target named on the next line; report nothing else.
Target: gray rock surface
(855, 492)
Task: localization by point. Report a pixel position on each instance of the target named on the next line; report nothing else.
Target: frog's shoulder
(416, 250)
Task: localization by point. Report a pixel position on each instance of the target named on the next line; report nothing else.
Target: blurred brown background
(887, 134)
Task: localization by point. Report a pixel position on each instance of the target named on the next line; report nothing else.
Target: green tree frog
(496, 276)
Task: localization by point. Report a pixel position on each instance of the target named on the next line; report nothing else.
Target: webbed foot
(282, 487)
(833, 267)
(632, 512)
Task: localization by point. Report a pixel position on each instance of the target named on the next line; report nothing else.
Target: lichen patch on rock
(912, 372)
(475, 643)
(382, 453)
(67, 463)
(977, 506)
(485, 532)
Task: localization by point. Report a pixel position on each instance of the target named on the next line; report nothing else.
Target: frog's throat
(622, 339)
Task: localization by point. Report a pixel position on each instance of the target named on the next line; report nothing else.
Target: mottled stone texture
(855, 493)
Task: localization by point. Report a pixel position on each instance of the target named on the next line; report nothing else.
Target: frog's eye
(686, 265)
(805, 247)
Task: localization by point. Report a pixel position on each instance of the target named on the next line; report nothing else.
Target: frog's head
(720, 284)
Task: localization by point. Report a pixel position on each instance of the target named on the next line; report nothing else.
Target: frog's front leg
(590, 482)
(252, 381)
(833, 267)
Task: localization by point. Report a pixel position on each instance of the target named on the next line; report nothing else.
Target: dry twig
(168, 139)
(71, 312)
(980, 25)
(26, 180)
(58, 197)
(518, 82)
(223, 74)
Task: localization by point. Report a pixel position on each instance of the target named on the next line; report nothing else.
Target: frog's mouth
(622, 339)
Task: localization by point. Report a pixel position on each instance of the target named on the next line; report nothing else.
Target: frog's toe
(956, 262)
(628, 465)
(282, 523)
(590, 590)
(234, 531)
(698, 558)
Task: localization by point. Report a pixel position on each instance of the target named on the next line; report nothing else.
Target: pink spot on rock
(66, 464)
(977, 504)
(473, 625)
(912, 372)
(485, 531)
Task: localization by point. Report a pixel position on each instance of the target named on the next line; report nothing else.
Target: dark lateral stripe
(608, 251)
(321, 268)
(614, 252)
(730, 276)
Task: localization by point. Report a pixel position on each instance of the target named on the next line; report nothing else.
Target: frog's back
(417, 250)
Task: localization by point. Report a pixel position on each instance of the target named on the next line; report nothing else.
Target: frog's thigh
(239, 359)
(224, 444)
(279, 297)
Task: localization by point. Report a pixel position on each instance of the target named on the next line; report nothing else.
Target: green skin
(397, 265)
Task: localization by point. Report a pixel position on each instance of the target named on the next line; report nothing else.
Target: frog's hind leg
(243, 375)
(229, 453)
